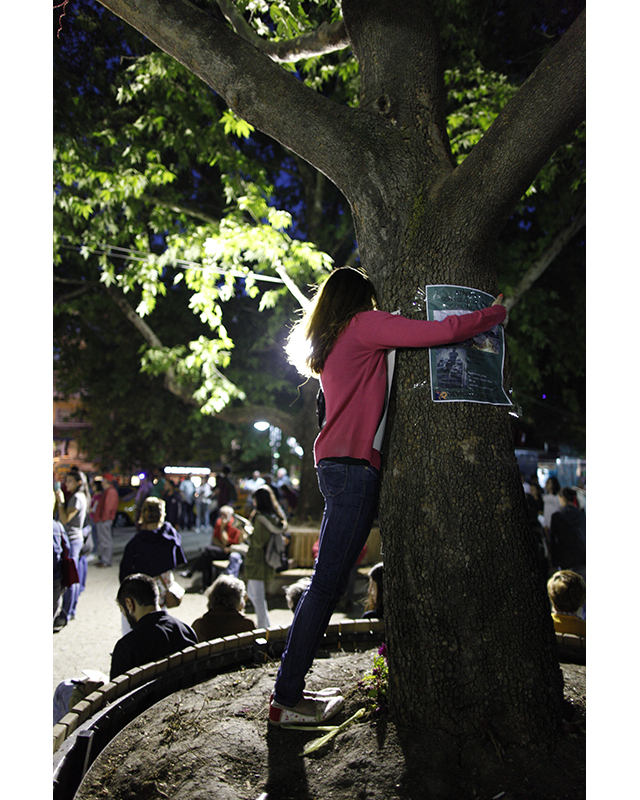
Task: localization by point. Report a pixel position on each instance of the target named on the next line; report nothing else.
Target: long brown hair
(267, 503)
(344, 294)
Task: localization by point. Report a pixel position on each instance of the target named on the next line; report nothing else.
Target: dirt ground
(213, 741)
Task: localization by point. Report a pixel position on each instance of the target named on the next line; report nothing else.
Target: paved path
(87, 641)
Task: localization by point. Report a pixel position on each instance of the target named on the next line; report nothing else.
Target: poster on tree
(469, 371)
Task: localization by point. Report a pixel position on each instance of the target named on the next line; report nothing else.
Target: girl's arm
(385, 330)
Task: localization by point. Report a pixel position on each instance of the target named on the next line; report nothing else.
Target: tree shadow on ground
(287, 774)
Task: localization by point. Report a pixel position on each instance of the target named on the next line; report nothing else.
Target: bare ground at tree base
(213, 741)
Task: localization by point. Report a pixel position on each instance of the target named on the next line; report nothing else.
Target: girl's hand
(499, 302)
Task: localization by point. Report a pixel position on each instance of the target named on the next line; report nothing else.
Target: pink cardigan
(354, 377)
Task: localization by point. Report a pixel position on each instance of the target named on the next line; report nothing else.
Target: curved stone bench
(92, 723)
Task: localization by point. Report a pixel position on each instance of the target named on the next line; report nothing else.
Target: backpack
(274, 553)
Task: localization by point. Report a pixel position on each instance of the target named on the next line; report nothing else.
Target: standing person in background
(72, 513)
(93, 505)
(144, 491)
(267, 518)
(173, 503)
(60, 543)
(346, 341)
(187, 493)
(203, 503)
(158, 482)
(104, 516)
(225, 493)
(252, 483)
(288, 495)
(568, 535)
(551, 502)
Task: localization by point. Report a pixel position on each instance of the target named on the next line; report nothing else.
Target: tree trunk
(471, 646)
(470, 639)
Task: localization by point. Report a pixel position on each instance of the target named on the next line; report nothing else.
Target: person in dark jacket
(225, 606)
(173, 504)
(568, 535)
(154, 633)
(156, 550)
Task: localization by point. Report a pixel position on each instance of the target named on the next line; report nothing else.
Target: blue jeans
(72, 593)
(351, 500)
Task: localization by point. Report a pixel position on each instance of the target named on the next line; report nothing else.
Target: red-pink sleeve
(381, 329)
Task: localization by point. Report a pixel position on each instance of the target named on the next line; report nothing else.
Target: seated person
(154, 633)
(294, 592)
(73, 690)
(567, 591)
(374, 603)
(224, 617)
(224, 545)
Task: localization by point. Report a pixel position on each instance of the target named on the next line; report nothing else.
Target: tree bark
(470, 639)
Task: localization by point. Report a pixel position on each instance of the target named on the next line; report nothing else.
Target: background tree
(138, 197)
(469, 634)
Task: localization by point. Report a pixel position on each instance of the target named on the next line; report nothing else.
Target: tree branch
(326, 134)
(541, 264)
(292, 287)
(148, 334)
(542, 115)
(326, 39)
(178, 209)
(66, 297)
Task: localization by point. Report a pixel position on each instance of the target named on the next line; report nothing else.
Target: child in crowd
(567, 591)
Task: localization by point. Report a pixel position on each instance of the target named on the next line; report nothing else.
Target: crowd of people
(85, 512)
(559, 523)
(558, 519)
(148, 588)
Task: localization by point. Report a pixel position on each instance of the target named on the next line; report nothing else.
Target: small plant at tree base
(376, 682)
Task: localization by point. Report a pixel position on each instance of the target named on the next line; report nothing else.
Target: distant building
(67, 422)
